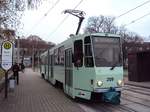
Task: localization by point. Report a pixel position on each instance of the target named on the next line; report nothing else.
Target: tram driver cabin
(86, 65)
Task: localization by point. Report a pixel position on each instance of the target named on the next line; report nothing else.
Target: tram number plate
(110, 79)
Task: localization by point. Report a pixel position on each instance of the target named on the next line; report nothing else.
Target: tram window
(87, 40)
(107, 51)
(56, 58)
(61, 55)
(46, 60)
(88, 52)
(52, 60)
(78, 53)
(49, 59)
(89, 62)
(42, 60)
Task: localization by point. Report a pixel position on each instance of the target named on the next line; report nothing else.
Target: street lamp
(18, 50)
(33, 51)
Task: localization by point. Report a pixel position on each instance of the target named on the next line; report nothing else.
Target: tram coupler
(112, 96)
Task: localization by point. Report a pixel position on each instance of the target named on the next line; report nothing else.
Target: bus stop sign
(7, 55)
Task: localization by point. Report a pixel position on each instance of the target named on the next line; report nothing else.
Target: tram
(87, 65)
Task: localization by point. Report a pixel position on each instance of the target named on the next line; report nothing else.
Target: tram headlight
(120, 83)
(99, 83)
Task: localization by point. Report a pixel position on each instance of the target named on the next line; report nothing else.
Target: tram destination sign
(7, 55)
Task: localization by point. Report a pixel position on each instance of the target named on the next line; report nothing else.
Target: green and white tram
(87, 65)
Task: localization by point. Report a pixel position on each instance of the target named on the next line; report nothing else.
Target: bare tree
(33, 45)
(107, 25)
(128, 39)
(11, 11)
(101, 24)
(35, 42)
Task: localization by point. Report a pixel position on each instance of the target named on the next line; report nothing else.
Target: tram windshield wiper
(114, 65)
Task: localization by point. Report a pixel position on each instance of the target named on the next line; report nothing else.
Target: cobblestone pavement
(33, 94)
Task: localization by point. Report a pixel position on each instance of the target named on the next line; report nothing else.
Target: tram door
(68, 71)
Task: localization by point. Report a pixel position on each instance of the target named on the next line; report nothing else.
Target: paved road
(33, 94)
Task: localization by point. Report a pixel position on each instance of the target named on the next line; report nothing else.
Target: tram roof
(81, 36)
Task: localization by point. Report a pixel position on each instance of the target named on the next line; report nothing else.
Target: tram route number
(110, 79)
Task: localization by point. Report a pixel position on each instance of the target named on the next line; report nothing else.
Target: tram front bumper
(111, 96)
(102, 90)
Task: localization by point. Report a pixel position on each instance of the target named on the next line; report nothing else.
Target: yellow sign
(7, 45)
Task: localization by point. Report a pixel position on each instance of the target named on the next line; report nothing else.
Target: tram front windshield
(107, 51)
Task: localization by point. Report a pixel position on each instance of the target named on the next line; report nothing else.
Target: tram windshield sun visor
(107, 51)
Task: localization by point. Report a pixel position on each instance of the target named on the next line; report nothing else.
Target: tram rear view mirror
(77, 59)
(72, 58)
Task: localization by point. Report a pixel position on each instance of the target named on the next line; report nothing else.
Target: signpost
(7, 55)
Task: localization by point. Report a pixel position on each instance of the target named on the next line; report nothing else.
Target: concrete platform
(33, 94)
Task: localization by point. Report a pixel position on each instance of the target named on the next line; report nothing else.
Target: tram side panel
(59, 73)
(83, 82)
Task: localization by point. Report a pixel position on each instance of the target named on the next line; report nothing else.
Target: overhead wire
(115, 18)
(132, 9)
(77, 6)
(52, 8)
(64, 19)
(137, 19)
(37, 23)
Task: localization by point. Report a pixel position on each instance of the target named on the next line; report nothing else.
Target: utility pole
(38, 59)
(33, 58)
(77, 13)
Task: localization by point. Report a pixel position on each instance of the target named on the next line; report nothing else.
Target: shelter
(139, 66)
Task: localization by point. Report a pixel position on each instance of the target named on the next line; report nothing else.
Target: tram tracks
(136, 92)
(121, 108)
(137, 102)
(106, 107)
(134, 99)
(140, 90)
(138, 96)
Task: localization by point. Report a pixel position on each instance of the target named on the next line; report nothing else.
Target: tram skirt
(111, 96)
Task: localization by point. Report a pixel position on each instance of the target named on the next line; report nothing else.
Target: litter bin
(12, 83)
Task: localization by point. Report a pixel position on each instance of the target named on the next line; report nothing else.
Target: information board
(7, 55)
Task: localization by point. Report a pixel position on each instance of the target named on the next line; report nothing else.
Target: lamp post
(38, 59)
(38, 54)
(33, 58)
(18, 50)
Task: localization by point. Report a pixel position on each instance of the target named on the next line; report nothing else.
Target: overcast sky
(47, 28)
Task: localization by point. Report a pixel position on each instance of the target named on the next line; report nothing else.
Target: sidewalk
(33, 94)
